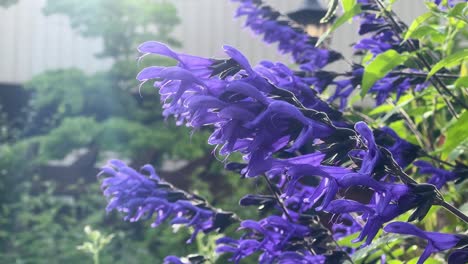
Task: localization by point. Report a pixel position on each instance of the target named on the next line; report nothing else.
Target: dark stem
(278, 199)
(283, 207)
(395, 168)
(415, 74)
(454, 211)
(425, 154)
(285, 210)
(407, 119)
(439, 201)
(423, 74)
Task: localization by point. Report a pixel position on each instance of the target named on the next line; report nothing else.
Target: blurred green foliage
(7, 3)
(44, 213)
(122, 24)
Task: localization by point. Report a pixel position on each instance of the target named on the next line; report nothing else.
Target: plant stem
(412, 126)
(407, 179)
(96, 257)
(285, 210)
(279, 200)
(283, 207)
(454, 211)
(424, 74)
(416, 74)
(395, 170)
(425, 154)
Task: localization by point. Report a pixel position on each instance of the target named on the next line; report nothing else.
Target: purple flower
(140, 197)
(402, 151)
(269, 114)
(379, 34)
(344, 226)
(458, 256)
(282, 76)
(197, 65)
(435, 241)
(372, 155)
(238, 248)
(293, 257)
(246, 117)
(190, 259)
(277, 239)
(173, 260)
(387, 203)
(378, 37)
(439, 176)
(344, 87)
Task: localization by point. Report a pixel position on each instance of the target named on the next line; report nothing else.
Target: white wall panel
(31, 43)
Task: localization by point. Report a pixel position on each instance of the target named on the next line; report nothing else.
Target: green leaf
(404, 100)
(355, 10)
(428, 31)
(456, 133)
(384, 108)
(377, 243)
(416, 24)
(428, 261)
(400, 128)
(459, 11)
(347, 5)
(347, 241)
(461, 82)
(379, 67)
(449, 61)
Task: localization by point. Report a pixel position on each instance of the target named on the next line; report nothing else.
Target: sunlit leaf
(449, 61)
(347, 5)
(348, 241)
(384, 108)
(416, 24)
(379, 67)
(459, 11)
(377, 243)
(461, 82)
(428, 261)
(428, 31)
(456, 133)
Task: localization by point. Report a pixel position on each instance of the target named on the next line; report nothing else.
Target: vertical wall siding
(31, 43)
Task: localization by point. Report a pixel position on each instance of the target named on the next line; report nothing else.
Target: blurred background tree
(70, 122)
(7, 3)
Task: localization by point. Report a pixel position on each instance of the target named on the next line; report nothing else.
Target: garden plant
(44, 206)
(337, 182)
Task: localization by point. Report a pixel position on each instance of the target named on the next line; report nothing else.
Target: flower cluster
(278, 239)
(140, 197)
(260, 113)
(379, 34)
(264, 20)
(311, 157)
